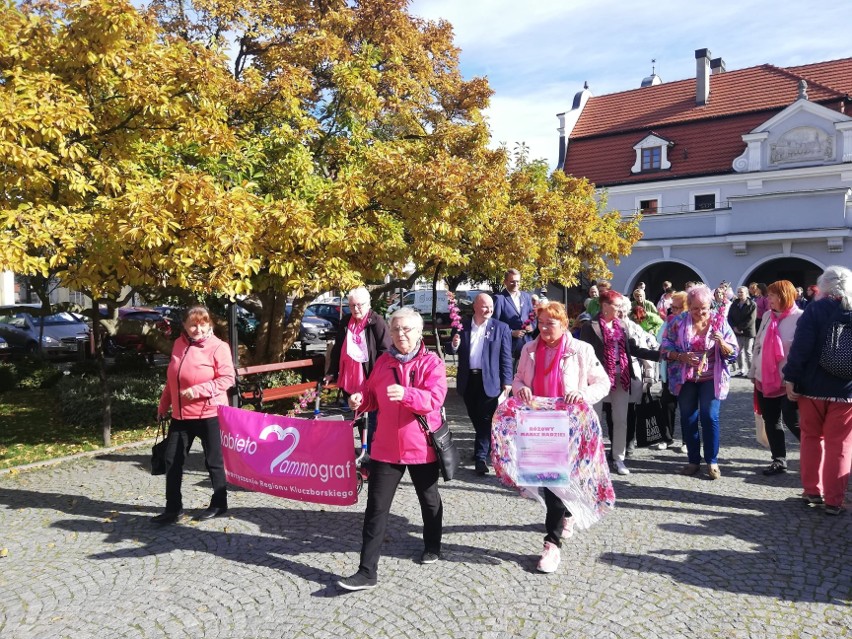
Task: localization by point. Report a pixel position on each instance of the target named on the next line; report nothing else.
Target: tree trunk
(435, 279)
(106, 395)
(276, 332)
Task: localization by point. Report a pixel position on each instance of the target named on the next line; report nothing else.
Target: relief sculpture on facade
(802, 144)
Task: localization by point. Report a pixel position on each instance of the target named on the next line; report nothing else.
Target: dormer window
(651, 154)
(651, 158)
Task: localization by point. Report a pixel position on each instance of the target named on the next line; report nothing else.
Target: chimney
(717, 65)
(702, 76)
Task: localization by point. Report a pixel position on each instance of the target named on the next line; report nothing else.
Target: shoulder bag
(441, 440)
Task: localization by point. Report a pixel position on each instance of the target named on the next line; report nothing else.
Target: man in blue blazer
(484, 350)
(513, 307)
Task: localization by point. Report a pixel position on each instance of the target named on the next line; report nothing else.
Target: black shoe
(357, 582)
(481, 467)
(429, 557)
(168, 517)
(210, 513)
(775, 468)
(814, 501)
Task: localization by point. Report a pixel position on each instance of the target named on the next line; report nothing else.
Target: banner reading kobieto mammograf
(305, 460)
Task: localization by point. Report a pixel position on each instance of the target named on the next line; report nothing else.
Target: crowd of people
(793, 346)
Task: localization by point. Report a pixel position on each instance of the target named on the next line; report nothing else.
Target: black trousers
(669, 402)
(772, 409)
(556, 510)
(480, 409)
(182, 432)
(384, 480)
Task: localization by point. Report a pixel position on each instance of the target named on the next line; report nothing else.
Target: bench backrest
(279, 366)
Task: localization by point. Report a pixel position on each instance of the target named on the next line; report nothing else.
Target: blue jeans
(698, 399)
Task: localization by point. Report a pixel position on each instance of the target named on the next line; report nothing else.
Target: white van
(422, 302)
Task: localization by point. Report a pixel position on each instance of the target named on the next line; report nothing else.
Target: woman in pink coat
(407, 381)
(200, 373)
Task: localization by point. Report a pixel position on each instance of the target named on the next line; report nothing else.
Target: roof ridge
(810, 82)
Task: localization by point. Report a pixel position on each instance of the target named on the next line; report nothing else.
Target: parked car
(313, 329)
(422, 302)
(4, 349)
(62, 333)
(329, 312)
(133, 328)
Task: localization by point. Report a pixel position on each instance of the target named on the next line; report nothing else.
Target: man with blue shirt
(514, 307)
(484, 350)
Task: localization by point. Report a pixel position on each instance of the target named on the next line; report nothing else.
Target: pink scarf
(614, 335)
(772, 354)
(357, 327)
(547, 379)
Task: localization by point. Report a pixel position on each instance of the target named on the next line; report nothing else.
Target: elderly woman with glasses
(407, 381)
(358, 344)
(699, 346)
(556, 365)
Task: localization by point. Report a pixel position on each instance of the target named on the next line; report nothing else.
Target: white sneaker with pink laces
(567, 527)
(550, 557)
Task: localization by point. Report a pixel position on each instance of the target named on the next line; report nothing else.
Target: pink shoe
(550, 557)
(567, 527)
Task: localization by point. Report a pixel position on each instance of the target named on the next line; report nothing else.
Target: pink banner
(301, 459)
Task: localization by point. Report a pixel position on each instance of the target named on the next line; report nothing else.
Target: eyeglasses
(513, 281)
(703, 309)
(403, 329)
(358, 305)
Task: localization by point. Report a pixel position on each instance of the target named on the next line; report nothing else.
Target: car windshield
(57, 319)
(13, 320)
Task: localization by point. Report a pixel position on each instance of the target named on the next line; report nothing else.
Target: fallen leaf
(4, 552)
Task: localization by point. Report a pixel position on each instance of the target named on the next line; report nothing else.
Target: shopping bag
(649, 420)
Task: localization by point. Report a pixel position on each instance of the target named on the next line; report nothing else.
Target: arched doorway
(655, 274)
(799, 271)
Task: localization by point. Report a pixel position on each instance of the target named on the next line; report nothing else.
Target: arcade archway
(655, 274)
(799, 271)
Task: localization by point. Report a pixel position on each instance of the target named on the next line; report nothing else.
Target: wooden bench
(250, 381)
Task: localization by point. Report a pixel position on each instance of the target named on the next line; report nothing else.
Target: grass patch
(31, 430)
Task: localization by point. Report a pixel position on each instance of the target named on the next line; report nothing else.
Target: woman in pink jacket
(557, 365)
(200, 373)
(408, 380)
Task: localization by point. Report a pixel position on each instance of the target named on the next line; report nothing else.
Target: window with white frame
(651, 154)
(704, 202)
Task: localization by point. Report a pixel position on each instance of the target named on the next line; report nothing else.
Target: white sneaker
(550, 558)
(621, 469)
(567, 527)
(683, 448)
(660, 446)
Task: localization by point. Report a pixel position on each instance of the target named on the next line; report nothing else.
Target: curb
(83, 455)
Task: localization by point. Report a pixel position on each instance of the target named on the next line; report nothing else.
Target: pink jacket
(399, 439)
(580, 368)
(207, 368)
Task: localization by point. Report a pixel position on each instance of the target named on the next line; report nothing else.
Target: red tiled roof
(710, 136)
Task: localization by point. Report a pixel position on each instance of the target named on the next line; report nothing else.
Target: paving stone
(678, 557)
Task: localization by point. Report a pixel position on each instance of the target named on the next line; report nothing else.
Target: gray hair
(836, 281)
(359, 294)
(407, 311)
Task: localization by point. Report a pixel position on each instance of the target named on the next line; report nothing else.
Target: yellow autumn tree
(356, 128)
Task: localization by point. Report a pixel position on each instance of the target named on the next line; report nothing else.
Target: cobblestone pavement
(679, 557)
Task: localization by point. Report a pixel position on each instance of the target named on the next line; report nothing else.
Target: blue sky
(537, 53)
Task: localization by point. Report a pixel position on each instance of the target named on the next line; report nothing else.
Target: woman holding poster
(407, 381)
(556, 365)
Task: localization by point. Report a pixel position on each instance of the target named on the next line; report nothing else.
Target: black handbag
(441, 440)
(649, 420)
(446, 449)
(158, 451)
(836, 355)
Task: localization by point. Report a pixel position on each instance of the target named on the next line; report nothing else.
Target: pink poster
(301, 459)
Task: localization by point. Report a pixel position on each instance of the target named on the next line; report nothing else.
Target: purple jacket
(674, 340)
